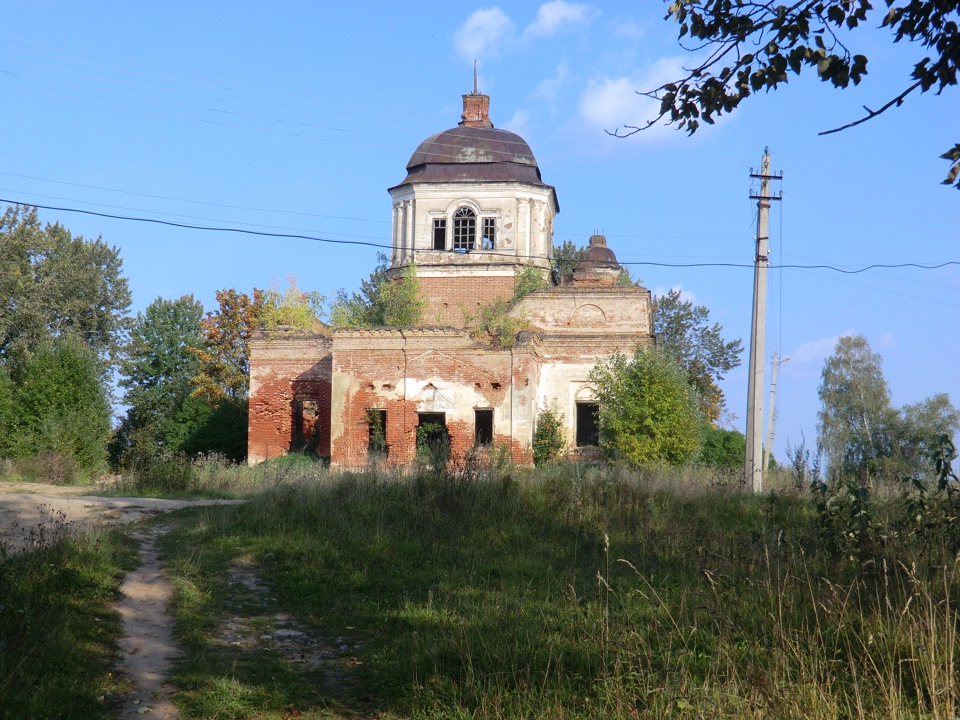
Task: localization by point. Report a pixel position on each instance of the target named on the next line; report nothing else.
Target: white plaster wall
(577, 310)
(559, 384)
(504, 201)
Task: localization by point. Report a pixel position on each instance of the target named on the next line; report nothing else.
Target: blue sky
(296, 118)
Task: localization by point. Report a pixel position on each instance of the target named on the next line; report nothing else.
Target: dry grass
(593, 592)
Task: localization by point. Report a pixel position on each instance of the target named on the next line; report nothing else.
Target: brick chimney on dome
(476, 106)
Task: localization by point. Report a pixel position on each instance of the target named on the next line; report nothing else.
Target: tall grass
(593, 592)
(57, 629)
(177, 475)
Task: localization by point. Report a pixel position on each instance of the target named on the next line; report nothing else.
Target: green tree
(219, 423)
(919, 427)
(61, 404)
(649, 413)
(219, 427)
(548, 438)
(158, 369)
(861, 434)
(223, 381)
(497, 323)
(225, 353)
(63, 305)
(750, 47)
(722, 448)
(565, 259)
(683, 330)
(382, 301)
(292, 308)
(54, 284)
(856, 422)
(8, 414)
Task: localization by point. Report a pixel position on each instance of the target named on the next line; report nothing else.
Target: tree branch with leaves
(752, 46)
(683, 331)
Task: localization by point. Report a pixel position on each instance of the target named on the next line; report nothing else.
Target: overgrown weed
(588, 591)
(50, 466)
(211, 476)
(57, 630)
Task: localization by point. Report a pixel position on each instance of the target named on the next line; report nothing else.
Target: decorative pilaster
(411, 239)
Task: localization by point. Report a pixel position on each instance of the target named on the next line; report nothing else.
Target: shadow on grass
(58, 631)
(566, 593)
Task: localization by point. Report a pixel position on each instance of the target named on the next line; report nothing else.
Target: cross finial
(474, 76)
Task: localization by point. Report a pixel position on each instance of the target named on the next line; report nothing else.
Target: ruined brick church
(471, 213)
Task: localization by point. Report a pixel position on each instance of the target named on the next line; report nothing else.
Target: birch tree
(856, 421)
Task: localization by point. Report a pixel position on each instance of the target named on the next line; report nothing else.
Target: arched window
(464, 230)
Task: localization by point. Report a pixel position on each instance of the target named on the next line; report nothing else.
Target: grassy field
(574, 592)
(58, 633)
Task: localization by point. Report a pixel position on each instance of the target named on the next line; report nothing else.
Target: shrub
(649, 414)
(548, 439)
(722, 448)
(433, 445)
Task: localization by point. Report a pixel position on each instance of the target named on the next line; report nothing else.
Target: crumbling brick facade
(289, 394)
(410, 373)
(471, 214)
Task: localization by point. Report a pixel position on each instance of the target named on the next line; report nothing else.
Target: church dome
(597, 256)
(474, 151)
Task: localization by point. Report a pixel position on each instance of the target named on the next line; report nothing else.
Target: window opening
(305, 425)
(433, 441)
(377, 425)
(483, 426)
(464, 230)
(440, 234)
(588, 424)
(489, 233)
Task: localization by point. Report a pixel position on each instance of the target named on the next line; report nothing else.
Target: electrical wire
(194, 202)
(387, 246)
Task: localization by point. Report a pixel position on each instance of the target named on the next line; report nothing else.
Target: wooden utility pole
(753, 464)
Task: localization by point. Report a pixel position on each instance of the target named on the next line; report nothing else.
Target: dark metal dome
(473, 145)
(464, 154)
(597, 256)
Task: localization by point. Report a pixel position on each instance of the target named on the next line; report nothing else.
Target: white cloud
(629, 30)
(807, 358)
(685, 295)
(519, 123)
(555, 16)
(887, 340)
(610, 103)
(548, 88)
(483, 33)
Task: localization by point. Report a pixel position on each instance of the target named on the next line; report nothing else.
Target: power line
(179, 215)
(194, 202)
(386, 246)
(566, 232)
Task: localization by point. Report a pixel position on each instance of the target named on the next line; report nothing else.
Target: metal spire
(474, 76)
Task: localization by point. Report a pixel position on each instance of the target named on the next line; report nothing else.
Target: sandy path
(25, 505)
(147, 647)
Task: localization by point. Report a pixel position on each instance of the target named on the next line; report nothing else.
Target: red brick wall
(369, 370)
(449, 298)
(289, 396)
(465, 377)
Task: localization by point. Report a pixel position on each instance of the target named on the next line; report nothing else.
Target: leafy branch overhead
(753, 46)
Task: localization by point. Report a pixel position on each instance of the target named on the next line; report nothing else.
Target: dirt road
(147, 646)
(24, 506)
